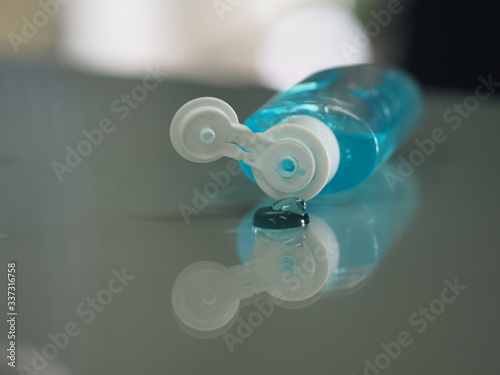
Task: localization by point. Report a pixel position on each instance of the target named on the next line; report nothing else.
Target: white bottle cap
(294, 159)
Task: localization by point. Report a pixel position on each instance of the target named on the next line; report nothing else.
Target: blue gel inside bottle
(371, 109)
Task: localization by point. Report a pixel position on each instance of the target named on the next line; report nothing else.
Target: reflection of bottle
(334, 254)
(291, 265)
(365, 220)
(328, 132)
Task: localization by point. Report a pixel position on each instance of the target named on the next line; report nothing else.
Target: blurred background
(271, 43)
(69, 66)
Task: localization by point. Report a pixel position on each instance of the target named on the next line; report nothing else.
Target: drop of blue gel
(283, 214)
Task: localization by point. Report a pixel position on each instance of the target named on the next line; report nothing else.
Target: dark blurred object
(454, 42)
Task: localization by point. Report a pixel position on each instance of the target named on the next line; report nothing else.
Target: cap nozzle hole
(207, 135)
(209, 297)
(287, 166)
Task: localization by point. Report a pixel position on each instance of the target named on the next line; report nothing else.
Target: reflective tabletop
(124, 258)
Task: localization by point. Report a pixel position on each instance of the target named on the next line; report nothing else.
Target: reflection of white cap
(203, 296)
(294, 159)
(292, 265)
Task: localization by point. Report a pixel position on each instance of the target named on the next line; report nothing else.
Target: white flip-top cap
(294, 159)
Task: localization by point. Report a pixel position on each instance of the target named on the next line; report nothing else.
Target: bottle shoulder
(339, 114)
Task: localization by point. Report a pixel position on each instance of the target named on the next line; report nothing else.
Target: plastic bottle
(327, 133)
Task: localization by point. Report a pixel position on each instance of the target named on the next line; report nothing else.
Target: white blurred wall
(270, 42)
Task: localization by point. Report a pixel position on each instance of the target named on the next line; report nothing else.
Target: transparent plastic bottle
(371, 109)
(326, 134)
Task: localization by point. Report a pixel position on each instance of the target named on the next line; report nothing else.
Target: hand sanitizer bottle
(327, 134)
